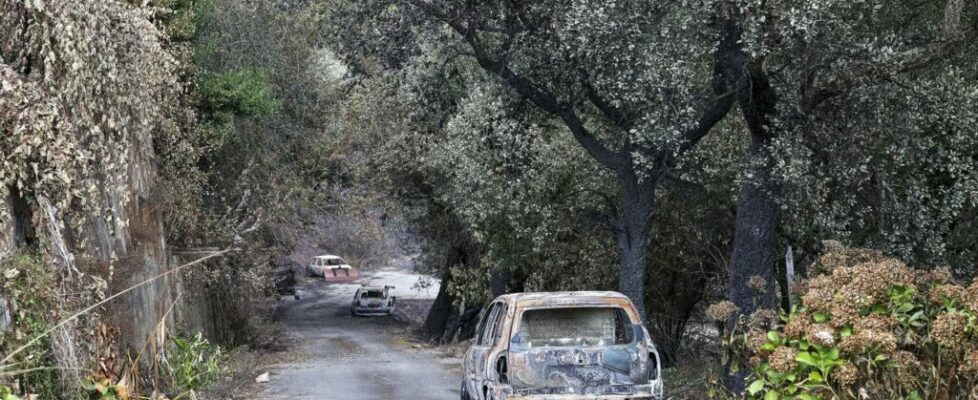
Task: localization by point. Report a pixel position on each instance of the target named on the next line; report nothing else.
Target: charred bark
(445, 321)
(632, 234)
(752, 274)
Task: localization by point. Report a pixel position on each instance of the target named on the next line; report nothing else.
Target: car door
(476, 358)
(498, 339)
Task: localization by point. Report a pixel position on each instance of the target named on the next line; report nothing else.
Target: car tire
(465, 392)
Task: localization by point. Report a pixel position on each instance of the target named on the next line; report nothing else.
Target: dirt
(331, 355)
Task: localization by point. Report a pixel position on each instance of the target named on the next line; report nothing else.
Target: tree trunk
(752, 264)
(442, 309)
(754, 254)
(752, 275)
(445, 322)
(632, 235)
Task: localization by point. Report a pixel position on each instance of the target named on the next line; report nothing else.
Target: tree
(795, 68)
(630, 94)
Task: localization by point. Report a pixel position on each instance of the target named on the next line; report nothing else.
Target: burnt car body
(282, 277)
(332, 268)
(373, 301)
(561, 346)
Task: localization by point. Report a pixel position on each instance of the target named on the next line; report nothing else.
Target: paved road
(340, 357)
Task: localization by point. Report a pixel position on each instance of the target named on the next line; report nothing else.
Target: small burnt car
(561, 346)
(373, 301)
(332, 269)
(282, 277)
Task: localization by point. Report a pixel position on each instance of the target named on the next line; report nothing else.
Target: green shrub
(29, 289)
(865, 327)
(237, 93)
(195, 362)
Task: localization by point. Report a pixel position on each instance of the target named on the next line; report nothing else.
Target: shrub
(195, 362)
(866, 327)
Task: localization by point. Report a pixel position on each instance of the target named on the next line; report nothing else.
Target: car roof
(565, 298)
(328, 257)
(373, 288)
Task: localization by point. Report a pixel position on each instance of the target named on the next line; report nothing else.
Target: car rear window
(575, 326)
(334, 261)
(372, 294)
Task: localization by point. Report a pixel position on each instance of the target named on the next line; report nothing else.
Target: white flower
(825, 338)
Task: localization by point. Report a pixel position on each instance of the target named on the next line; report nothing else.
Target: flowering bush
(864, 327)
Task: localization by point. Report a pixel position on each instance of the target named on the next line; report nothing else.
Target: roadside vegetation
(673, 151)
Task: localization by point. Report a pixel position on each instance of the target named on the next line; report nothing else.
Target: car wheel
(465, 392)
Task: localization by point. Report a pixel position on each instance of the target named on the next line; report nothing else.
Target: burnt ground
(334, 356)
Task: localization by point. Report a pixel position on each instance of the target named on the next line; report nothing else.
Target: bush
(195, 362)
(865, 327)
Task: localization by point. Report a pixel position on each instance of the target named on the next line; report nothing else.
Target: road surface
(340, 357)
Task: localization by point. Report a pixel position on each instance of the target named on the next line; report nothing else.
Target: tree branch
(620, 117)
(542, 98)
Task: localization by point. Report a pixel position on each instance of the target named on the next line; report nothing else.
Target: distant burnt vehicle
(561, 346)
(332, 269)
(373, 301)
(283, 279)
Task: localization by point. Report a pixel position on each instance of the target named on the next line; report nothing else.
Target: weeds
(194, 362)
(103, 389)
(29, 291)
(27, 367)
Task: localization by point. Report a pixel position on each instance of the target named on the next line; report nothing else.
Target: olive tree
(631, 82)
(807, 72)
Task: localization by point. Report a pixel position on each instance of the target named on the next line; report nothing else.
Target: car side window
(497, 330)
(481, 327)
(485, 338)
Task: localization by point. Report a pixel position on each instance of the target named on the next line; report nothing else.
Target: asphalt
(339, 357)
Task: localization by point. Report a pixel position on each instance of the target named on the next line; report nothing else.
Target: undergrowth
(29, 290)
(865, 327)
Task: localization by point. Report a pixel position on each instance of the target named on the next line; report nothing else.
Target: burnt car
(282, 277)
(332, 268)
(373, 301)
(561, 346)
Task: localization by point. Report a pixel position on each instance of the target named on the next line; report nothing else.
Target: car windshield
(372, 294)
(577, 326)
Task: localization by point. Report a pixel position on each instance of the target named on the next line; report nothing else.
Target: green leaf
(773, 336)
(834, 353)
(771, 395)
(815, 377)
(755, 387)
(820, 317)
(806, 358)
